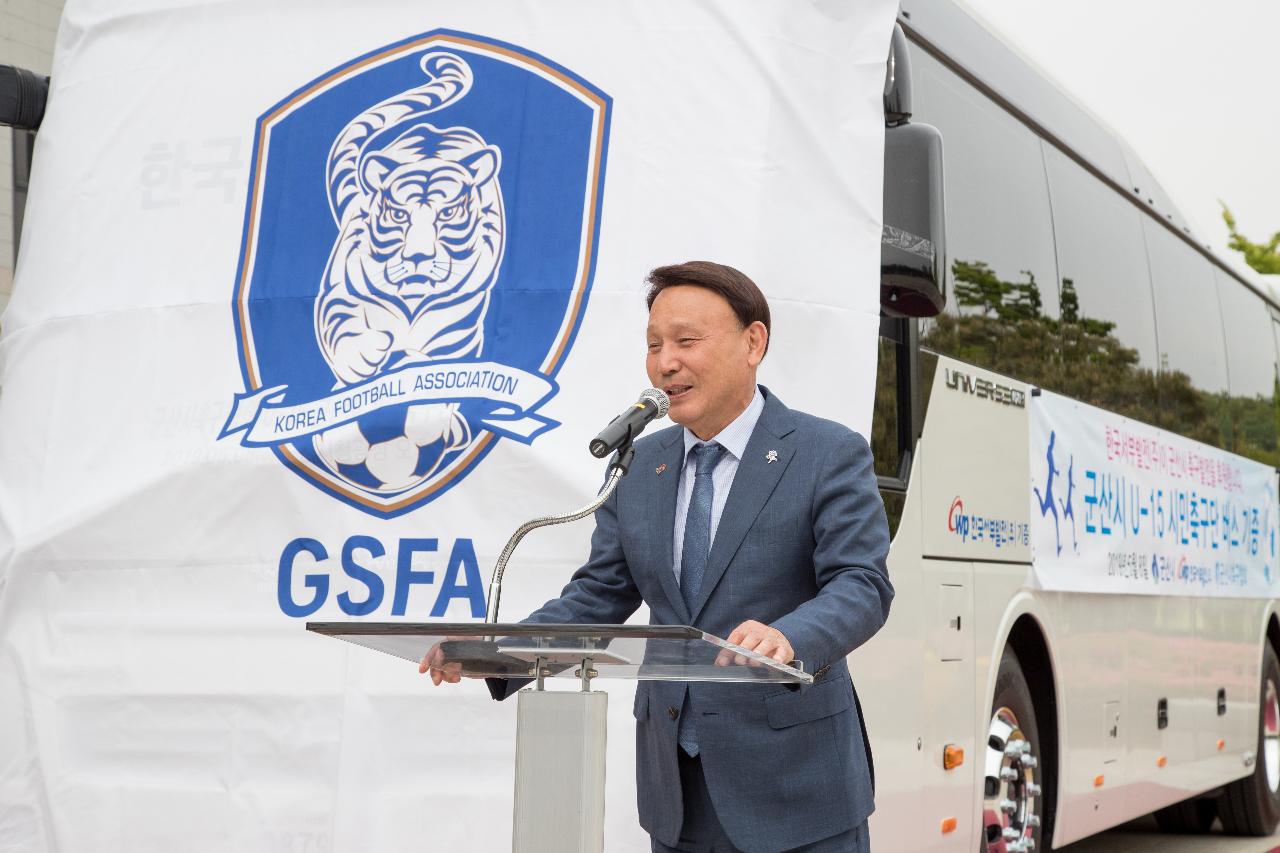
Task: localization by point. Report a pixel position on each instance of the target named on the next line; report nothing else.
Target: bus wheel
(1251, 806)
(1011, 806)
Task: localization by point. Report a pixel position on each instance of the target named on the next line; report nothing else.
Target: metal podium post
(560, 737)
(560, 756)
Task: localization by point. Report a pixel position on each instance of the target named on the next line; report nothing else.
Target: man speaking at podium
(756, 523)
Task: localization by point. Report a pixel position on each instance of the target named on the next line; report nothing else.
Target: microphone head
(659, 399)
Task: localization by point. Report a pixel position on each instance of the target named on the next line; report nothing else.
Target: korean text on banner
(1120, 506)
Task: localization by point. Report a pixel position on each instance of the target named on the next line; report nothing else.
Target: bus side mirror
(913, 241)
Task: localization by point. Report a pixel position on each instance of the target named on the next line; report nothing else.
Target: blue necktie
(693, 556)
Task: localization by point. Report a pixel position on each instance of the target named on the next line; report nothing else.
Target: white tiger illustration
(420, 240)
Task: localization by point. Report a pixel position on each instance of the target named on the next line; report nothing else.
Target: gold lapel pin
(771, 456)
(660, 468)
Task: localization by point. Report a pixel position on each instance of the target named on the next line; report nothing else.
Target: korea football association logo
(419, 243)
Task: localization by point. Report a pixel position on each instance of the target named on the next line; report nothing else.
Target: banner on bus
(1120, 506)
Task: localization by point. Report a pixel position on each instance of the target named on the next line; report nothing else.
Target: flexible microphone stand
(618, 467)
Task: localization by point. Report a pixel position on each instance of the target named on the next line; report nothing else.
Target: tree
(1263, 257)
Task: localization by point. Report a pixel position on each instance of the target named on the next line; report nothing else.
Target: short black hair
(742, 294)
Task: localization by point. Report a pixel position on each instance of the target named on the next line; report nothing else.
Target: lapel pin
(771, 456)
(660, 468)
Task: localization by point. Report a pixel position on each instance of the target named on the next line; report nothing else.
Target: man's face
(702, 357)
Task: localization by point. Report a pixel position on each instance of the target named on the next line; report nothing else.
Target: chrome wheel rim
(1010, 791)
(1271, 735)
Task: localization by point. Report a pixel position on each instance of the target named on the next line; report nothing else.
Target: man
(756, 523)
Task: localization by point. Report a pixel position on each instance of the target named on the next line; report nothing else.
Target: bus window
(1001, 290)
(1193, 372)
(892, 420)
(1251, 372)
(886, 447)
(1108, 331)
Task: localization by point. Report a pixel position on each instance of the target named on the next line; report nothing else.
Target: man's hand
(440, 668)
(757, 637)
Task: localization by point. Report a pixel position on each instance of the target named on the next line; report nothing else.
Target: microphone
(625, 427)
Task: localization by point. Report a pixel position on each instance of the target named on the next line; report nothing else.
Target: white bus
(1065, 270)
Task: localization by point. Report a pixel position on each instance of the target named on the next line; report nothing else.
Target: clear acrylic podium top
(502, 650)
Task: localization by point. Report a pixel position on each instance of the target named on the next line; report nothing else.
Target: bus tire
(1013, 810)
(1189, 817)
(1251, 806)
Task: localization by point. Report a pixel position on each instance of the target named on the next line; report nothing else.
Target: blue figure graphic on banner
(1068, 509)
(456, 184)
(1046, 500)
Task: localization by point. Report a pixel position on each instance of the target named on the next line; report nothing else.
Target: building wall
(27, 32)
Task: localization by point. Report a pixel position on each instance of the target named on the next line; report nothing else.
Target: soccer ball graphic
(396, 448)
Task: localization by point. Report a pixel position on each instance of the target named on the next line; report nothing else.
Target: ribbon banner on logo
(1120, 506)
(513, 393)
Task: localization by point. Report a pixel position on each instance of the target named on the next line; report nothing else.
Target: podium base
(560, 752)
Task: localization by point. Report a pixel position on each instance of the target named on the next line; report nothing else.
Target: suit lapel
(658, 496)
(753, 483)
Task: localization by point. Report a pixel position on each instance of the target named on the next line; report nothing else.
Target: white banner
(1120, 506)
(316, 303)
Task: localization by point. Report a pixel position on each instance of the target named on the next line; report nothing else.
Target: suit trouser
(702, 832)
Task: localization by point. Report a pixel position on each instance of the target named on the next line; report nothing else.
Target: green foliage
(884, 415)
(977, 286)
(1000, 325)
(1263, 257)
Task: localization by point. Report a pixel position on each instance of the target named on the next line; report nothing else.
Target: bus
(1007, 713)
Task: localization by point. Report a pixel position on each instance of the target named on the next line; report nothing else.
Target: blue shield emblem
(419, 244)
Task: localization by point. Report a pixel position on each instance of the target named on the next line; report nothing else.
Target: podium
(561, 735)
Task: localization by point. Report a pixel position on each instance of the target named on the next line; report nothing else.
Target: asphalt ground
(1142, 836)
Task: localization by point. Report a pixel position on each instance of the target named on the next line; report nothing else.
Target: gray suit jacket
(801, 546)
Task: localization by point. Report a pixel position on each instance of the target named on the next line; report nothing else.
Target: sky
(1193, 87)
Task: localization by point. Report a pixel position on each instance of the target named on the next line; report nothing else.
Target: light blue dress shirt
(733, 439)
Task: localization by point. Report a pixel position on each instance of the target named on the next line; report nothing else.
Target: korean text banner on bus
(1120, 506)
(316, 303)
